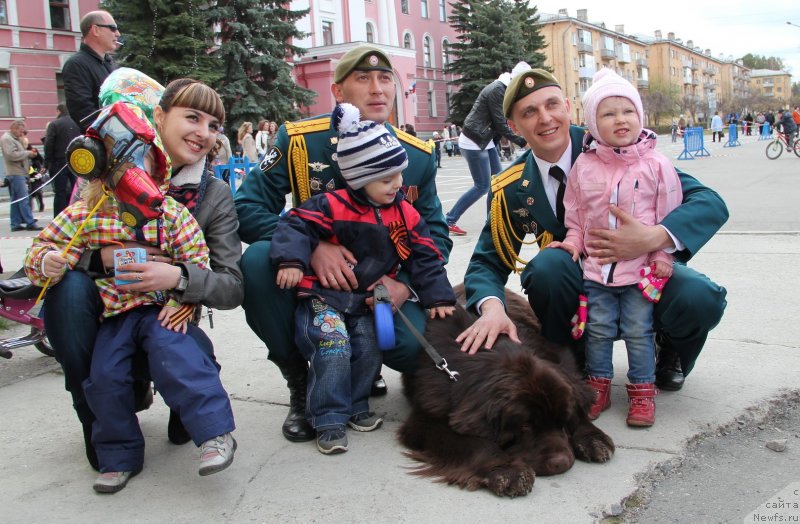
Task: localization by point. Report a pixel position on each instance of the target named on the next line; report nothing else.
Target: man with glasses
(86, 70)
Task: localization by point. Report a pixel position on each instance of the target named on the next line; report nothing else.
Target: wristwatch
(183, 281)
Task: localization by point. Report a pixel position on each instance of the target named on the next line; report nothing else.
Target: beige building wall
(775, 84)
(576, 49)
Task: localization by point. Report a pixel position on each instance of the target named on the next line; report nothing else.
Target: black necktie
(558, 174)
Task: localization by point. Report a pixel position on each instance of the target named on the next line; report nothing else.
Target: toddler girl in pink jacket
(622, 168)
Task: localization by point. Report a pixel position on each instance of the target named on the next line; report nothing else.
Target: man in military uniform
(303, 162)
(524, 202)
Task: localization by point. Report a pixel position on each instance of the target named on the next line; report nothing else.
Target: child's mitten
(578, 321)
(651, 285)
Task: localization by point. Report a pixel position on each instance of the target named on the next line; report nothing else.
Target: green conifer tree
(256, 52)
(165, 39)
(493, 35)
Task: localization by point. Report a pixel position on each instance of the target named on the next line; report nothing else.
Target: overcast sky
(732, 27)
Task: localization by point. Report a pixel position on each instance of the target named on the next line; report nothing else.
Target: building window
(431, 104)
(59, 14)
(423, 8)
(426, 52)
(3, 15)
(5, 94)
(327, 32)
(442, 11)
(445, 53)
(404, 6)
(408, 43)
(370, 33)
(62, 98)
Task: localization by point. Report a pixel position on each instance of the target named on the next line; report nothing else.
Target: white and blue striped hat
(366, 151)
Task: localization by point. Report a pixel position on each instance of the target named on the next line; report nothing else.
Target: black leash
(382, 295)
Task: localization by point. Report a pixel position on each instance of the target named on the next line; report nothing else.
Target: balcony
(622, 58)
(585, 48)
(641, 62)
(608, 54)
(695, 81)
(586, 72)
(695, 66)
(710, 71)
(642, 84)
(768, 83)
(710, 86)
(687, 81)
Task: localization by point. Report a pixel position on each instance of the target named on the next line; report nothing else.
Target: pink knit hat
(607, 83)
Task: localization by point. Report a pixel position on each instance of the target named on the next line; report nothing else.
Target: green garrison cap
(361, 58)
(524, 84)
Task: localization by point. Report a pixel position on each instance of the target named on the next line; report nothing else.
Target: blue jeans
(344, 360)
(21, 214)
(72, 310)
(482, 166)
(620, 311)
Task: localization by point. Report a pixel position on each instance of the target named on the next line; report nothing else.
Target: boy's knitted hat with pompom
(366, 151)
(607, 83)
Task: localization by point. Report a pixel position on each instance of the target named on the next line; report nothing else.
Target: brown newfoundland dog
(515, 412)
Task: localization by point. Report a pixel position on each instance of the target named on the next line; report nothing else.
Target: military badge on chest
(270, 159)
(412, 193)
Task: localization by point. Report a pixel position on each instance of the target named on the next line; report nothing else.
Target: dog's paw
(511, 481)
(590, 444)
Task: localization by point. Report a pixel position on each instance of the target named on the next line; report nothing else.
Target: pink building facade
(36, 38)
(416, 35)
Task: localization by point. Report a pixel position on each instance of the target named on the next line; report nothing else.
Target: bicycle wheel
(796, 147)
(774, 149)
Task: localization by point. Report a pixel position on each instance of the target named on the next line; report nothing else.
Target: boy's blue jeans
(620, 312)
(344, 360)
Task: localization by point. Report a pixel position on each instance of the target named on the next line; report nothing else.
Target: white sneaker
(216, 454)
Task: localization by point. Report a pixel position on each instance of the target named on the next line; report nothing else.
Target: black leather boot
(91, 454)
(669, 375)
(176, 432)
(296, 427)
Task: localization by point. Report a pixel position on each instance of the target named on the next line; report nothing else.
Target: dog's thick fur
(515, 412)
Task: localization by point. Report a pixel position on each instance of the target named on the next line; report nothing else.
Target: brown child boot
(642, 405)
(602, 387)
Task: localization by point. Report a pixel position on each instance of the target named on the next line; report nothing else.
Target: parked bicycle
(775, 148)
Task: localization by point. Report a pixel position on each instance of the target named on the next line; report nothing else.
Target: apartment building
(774, 84)
(416, 35)
(577, 48)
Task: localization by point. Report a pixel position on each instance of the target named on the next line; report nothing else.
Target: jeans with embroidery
(344, 360)
(620, 312)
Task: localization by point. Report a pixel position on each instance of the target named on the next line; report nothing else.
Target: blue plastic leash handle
(384, 318)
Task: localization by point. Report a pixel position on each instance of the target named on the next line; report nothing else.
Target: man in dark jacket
(85, 71)
(59, 134)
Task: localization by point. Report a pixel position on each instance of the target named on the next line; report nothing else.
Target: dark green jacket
(694, 222)
(311, 144)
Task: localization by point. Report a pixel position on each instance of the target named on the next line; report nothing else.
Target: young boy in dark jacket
(334, 329)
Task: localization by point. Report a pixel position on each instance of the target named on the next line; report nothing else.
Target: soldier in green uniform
(525, 202)
(303, 162)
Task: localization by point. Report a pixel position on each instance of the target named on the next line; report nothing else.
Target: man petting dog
(527, 200)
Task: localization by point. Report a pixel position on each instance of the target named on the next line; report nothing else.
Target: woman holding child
(187, 119)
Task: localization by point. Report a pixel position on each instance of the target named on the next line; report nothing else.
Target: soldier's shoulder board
(411, 140)
(507, 177)
(313, 125)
